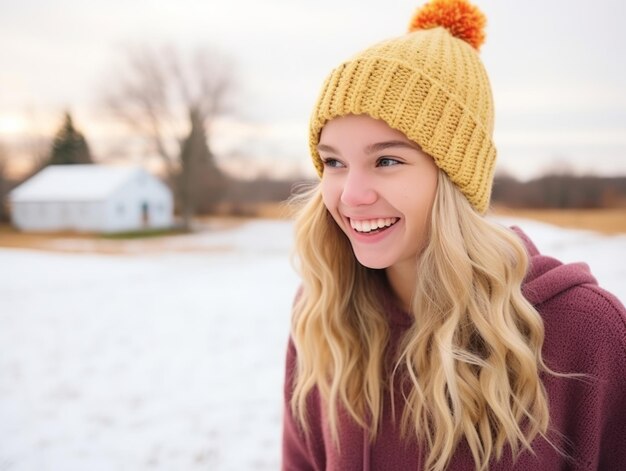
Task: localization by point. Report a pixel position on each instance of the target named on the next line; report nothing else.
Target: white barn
(91, 198)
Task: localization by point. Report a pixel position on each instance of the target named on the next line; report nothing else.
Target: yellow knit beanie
(429, 84)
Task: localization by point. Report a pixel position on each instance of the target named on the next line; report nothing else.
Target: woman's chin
(375, 263)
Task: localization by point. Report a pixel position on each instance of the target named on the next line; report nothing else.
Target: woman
(424, 336)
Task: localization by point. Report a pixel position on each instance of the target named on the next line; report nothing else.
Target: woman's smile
(373, 225)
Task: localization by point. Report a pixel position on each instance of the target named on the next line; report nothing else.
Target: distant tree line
(560, 191)
(240, 197)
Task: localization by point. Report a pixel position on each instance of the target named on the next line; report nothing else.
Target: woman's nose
(358, 189)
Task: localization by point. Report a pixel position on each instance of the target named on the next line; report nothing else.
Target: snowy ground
(169, 359)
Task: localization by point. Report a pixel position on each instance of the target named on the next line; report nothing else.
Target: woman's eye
(333, 163)
(387, 162)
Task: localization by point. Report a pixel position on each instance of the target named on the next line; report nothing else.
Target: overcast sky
(557, 69)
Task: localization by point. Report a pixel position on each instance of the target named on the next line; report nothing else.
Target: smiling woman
(425, 336)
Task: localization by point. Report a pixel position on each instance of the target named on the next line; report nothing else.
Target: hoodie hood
(547, 277)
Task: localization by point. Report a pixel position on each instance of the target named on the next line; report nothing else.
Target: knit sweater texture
(585, 332)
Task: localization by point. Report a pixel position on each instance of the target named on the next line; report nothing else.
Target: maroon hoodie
(585, 332)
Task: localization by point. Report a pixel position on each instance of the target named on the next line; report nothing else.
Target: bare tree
(159, 93)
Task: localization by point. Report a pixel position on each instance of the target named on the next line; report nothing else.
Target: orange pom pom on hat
(429, 84)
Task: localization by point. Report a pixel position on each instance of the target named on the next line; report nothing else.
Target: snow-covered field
(169, 359)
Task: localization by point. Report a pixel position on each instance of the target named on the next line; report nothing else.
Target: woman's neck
(402, 279)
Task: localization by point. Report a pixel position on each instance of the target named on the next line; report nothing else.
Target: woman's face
(379, 187)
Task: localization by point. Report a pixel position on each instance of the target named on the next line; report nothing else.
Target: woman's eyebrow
(378, 146)
(326, 148)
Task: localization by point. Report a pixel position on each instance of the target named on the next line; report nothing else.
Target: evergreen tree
(69, 146)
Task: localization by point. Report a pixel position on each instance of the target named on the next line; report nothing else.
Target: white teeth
(372, 224)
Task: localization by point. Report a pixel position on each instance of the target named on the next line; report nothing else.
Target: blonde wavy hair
(471, 358)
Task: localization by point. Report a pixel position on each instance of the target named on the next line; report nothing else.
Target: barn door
(145, 214)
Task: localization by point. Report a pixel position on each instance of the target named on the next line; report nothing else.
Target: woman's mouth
(372, 226)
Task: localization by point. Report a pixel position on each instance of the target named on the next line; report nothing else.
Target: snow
(172, 358)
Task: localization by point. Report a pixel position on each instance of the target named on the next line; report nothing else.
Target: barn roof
(87, 182)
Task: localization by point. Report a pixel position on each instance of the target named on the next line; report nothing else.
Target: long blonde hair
(471, 357)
